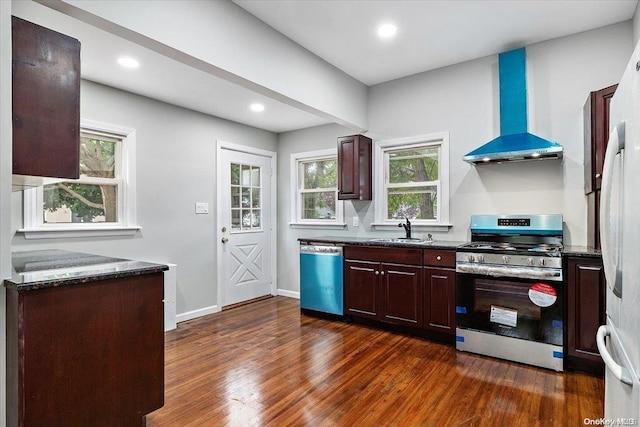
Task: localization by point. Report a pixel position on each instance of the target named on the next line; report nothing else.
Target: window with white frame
(415, 180)
(104, 195)
(315, 192)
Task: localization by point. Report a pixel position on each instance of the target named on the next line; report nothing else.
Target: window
(315, 193)
(102, 199)
(415, 182)
(245, 197)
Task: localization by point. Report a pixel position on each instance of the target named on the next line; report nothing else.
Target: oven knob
(505, 259)
(542, 262)
(530, 261)
(470, 258)
(480, 258)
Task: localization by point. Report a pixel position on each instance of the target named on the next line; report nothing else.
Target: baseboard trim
(289, 294)
(189, 315)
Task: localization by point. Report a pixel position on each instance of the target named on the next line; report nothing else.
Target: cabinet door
(401, 294)
(46, 101)
(362, 288)
(439, 299)
(100, 363)
(354, 168)
(596, 135)
(585, 307)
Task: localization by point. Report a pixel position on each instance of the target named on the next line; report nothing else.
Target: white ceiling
(431, 34)
(163, 78)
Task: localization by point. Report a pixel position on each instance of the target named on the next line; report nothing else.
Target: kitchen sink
(401, 240)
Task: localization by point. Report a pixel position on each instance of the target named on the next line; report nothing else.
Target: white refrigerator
(619, 340)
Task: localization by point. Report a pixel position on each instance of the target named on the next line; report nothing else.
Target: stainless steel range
(510, 289)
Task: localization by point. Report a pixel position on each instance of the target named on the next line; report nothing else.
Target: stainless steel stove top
(509, 247)
(524, 242)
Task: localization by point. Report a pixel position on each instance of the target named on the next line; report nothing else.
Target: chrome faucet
(407, 227)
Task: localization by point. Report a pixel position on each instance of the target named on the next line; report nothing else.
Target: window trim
(33, 227)
(381, 147)
(296, 221)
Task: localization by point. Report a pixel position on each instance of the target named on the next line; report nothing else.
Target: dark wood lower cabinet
(362, 289)
(586, 293)
(89, 354)
(440, 300)
(385, 292)
(401, 301)
(393, 286)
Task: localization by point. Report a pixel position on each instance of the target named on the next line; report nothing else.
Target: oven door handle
(532, 273)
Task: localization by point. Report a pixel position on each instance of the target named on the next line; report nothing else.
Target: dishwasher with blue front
(321, 278)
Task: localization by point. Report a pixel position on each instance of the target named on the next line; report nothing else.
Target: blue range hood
(515, 143)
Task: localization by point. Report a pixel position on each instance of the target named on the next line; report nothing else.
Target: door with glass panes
(245, 226)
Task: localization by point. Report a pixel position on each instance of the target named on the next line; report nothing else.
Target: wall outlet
(356, 221)
(202, 208)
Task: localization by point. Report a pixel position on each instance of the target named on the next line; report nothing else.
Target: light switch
(202, 208)
(356, 221)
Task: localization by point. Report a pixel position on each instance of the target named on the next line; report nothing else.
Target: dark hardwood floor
(266, 364)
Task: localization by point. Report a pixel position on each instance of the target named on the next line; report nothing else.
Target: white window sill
(414, 226)
(64, 232)
(317, 225)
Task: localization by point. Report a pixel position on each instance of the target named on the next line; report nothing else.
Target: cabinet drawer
(439, 258)
(389, 255)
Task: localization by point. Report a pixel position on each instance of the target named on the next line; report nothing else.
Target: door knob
(224, 229)
(225, 240)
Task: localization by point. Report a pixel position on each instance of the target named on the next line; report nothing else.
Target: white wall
(316, 138)
(464, 100)
(175, 168)
(223, 39)
(636, 25)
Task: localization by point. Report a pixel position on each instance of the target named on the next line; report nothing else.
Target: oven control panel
(514, 222)
(514, 260)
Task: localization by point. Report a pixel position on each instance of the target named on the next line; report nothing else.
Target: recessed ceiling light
(128, 62)
(257, 108)
(387, 31)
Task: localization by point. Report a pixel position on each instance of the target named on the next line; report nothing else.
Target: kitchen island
(85, 339)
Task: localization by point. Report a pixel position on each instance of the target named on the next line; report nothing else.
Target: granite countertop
(581, 251)
(574, 251)
(53, 268)
(371, 241)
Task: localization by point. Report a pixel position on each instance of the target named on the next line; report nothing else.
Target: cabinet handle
(598, 176)
(382, 273)
(439, 258)
(377, 272)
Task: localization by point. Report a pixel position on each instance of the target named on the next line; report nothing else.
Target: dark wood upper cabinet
(596, 136)
(354, 168)
(46, 101)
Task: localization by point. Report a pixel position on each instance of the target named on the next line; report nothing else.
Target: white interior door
(246, 257)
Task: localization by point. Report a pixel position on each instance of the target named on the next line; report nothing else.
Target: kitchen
(562, 72)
